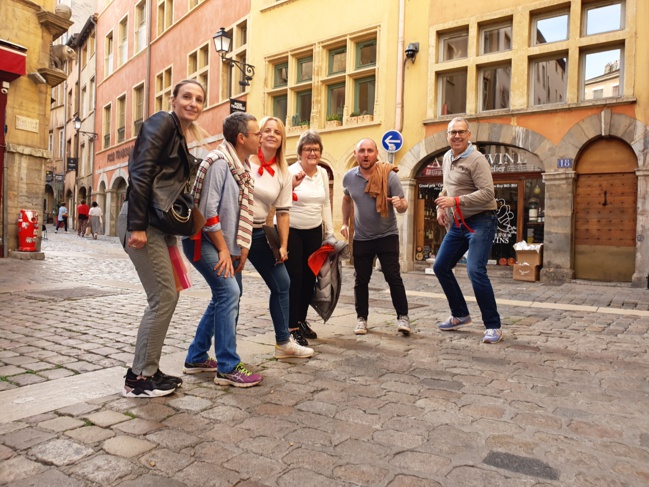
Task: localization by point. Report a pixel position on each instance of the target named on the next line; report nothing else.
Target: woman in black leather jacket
(159, 169)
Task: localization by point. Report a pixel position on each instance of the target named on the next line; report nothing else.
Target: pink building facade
(143, 49)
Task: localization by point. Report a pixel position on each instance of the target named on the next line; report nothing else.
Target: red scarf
(264, 164)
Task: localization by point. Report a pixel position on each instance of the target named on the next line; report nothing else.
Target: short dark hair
(308, 137)
(94, 203)
(83, 202)
(235, 124)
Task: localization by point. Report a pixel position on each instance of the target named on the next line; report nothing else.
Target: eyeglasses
(256, 134)
(453, 133)
(311, 151)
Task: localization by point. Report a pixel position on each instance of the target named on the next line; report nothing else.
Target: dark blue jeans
(387, 251)
(456, 242)
(277, 280)
(222, 314)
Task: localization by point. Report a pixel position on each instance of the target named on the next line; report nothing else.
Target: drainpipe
(3, 175)
(147, 83)
(398, 115)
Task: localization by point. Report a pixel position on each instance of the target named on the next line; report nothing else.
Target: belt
(483, 213)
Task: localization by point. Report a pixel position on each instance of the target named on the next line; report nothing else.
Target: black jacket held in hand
(159, 168)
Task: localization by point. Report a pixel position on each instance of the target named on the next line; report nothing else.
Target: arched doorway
(119, 191)
(606, 212)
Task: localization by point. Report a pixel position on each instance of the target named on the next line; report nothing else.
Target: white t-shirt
(270, 191)
(312, 207)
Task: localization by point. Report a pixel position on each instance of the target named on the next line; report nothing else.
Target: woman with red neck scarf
(274, 189)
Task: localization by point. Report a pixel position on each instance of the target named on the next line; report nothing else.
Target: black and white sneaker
(161, 376)
(146, 386)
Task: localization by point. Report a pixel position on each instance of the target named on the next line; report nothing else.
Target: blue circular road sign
(392, 141)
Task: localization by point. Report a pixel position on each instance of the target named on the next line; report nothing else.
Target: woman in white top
(273, 189)
(95, 219)
(310, 222)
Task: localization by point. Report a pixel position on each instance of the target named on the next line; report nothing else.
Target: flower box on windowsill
(365, 119)
(331, 124)
(297, 129)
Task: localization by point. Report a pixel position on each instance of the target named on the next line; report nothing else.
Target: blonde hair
(281, 151)
(197, 133)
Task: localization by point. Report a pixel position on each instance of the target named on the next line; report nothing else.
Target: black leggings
(301, 244)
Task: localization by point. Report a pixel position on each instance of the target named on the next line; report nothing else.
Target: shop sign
(59, 178)
(49, 176)
(119, 153)
(237, 106)
(510, 160)
(73, 163)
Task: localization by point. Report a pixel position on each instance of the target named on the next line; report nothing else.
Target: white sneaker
(361, 326)
(403, 324)
(292, 350)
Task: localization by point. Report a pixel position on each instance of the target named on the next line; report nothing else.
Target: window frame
(120, 119)
(277, 81)
(361, 45)
(122, 47)
(276, 99)
(545, 16)
(107, 115)
(301, 62)
(137, 120)
(330, 89)
(109, 46)
(299, 95)
(481, 70)
(595, 5)
(139, 27)
(582, 70)
(496, 26)
(445, 37)
(441, 77)
(330, 60)
(554, 56)
(357, 85)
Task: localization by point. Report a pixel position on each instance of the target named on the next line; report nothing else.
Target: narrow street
(561, 401)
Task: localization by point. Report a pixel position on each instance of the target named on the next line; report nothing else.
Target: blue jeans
(222, 314)
(456, 242)
(277, 280)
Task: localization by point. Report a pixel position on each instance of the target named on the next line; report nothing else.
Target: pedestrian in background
(273, 189)
(62, 218)
(83, 211)
(223, 191)
(376, 192)
(310, 223)
(159, 168)
(95, 219)
(467, 196)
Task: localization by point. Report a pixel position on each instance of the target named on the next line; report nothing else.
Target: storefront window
(519, 193)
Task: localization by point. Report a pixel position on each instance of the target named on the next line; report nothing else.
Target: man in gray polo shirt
(375, 229)
(467, 197)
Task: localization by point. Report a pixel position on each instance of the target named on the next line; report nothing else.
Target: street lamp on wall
(223, 45)
(77, 127)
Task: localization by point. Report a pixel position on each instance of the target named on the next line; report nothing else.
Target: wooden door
(605, 212)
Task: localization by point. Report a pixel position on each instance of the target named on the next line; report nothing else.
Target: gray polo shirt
(368, 223)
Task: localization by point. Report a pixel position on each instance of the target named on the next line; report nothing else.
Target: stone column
(558, 240)
(110, 216)
(406, 224)
(641, 274)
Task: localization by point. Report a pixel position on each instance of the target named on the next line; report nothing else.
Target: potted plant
(353, 118)
(365, 118)
(334, 120)
(297, 125)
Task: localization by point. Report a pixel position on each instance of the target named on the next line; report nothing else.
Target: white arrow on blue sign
(392, 140)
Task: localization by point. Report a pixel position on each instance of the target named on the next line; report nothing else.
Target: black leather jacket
(159, 168)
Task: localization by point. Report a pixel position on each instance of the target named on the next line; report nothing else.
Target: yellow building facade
(28, 28)
(554, 91)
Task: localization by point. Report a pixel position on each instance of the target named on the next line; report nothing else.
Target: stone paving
(561, 401)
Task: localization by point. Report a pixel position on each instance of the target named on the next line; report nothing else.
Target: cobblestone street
(562, 401)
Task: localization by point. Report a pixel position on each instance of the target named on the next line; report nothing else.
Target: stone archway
(605, 124)
(481, 132)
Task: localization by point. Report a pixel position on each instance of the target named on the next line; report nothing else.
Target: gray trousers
(153, 266)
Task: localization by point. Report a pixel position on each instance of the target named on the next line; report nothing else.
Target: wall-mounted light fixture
(412, 50)
(77, 126)
(223, 44)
